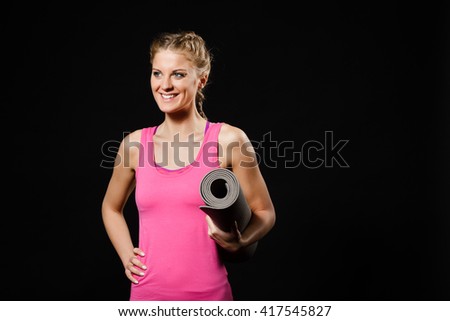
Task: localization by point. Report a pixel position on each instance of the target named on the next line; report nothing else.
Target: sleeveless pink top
(182, 260)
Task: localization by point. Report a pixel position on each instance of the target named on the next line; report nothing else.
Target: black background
(373, 73)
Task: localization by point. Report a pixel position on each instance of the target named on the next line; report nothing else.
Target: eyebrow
(175, 70)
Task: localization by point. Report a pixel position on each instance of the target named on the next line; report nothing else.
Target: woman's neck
(183, 126)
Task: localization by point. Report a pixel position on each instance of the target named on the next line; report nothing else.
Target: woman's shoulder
(135, 135)
(231, 133)
(235, 145)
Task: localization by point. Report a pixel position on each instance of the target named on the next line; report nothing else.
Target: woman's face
(174, 81)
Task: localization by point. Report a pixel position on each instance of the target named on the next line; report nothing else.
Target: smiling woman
(178, 255)
(176, 73)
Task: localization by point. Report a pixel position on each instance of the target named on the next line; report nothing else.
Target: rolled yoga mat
(225, 203)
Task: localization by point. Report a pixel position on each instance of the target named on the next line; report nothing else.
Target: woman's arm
(239, 155)
(120, 186)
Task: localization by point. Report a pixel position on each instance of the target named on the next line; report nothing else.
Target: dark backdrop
(372, 74)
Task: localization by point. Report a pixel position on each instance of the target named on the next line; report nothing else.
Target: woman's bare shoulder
(235, 145)
(232, 134)
(134, 136)
(128, 152)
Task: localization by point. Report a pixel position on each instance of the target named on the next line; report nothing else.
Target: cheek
(153, 84)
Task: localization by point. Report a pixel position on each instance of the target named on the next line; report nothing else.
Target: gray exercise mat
(225, 203)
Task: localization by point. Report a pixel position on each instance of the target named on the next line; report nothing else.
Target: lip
(167, 97)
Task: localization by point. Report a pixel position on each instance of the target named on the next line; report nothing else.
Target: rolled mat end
(225, 203)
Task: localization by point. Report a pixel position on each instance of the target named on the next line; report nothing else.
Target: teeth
(167, 96)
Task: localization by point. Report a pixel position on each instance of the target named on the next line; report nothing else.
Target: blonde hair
(196, 51)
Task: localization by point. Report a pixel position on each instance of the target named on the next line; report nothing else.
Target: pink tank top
(182, 260)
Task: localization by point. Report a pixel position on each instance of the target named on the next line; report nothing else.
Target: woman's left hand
(230, 241)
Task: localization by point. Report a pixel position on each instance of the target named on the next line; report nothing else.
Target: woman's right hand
(134, 265)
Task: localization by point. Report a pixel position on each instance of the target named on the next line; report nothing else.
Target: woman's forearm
(259, 225)
(119, 234)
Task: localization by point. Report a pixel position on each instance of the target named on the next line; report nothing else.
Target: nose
(166, 84)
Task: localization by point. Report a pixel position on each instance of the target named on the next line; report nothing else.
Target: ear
(203, 81)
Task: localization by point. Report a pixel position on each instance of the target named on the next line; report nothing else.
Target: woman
(177, 257)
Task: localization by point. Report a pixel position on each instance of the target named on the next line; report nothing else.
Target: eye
(179, 74)
(156, 74)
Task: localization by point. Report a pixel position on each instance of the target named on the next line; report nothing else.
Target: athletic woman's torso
(182, 260)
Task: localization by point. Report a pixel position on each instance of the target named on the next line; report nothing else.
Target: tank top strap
(212, 132)
(210, 149)
(146, 146)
